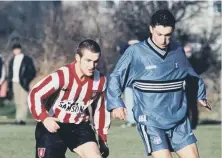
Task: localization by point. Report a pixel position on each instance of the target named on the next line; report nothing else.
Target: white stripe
(107, 119)
(157, 89)
(3, 74)
(146, 138)
(169, 86)
(96, 114)
(96, 80)
(62, 115)
(158, 84)
(105, 83)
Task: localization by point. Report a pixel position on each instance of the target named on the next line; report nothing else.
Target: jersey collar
(160, 52)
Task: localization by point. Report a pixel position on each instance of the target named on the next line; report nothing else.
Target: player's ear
(151, 29)
(77, 57)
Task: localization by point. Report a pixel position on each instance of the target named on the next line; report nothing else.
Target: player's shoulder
(136, 46)
(134, 50)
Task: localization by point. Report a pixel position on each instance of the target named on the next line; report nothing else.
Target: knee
(95, 155)
(162, 154)
(91, 155)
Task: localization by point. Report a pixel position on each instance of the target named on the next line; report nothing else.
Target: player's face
(16, 51)
(88, 62)
(161, 35)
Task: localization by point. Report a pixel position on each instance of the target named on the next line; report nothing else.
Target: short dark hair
(90, 45)
(16, 46)
(163, 17)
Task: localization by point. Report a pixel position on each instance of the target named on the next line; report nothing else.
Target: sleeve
(42, 90)
(201, 92)
(3, 75)
(120, 78)
(32, 70)
(101, 116)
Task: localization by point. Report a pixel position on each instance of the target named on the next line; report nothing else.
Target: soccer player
(156, 69)
(60, 103)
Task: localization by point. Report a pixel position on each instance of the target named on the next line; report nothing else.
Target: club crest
(41, 152)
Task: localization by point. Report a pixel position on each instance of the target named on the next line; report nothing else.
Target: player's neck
(79, 72)
(164, 49)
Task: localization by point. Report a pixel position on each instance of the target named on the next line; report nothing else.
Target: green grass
(18, 142)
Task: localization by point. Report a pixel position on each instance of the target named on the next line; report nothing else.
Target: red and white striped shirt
(73, 99)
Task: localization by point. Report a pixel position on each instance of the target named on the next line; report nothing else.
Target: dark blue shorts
(174, 139)
(70, 135)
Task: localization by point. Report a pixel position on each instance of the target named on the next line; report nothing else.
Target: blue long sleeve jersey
(158, 81)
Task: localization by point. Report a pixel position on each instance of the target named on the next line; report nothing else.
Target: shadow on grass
(13, 123)
(210, 122)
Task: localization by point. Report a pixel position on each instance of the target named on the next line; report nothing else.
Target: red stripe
(66, 95)
(102, 117)
(77, 118)
(56, 113)
(66, 118)
(61, 78)
(33, 93)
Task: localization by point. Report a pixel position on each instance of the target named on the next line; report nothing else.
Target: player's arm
(201, 94)
(120, 78)
(38, 93)
(101, 121)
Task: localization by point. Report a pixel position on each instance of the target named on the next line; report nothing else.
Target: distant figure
(128, 93)
(21, 73)
(3, 83)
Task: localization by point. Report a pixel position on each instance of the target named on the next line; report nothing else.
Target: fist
(103, 147)
(119, 113)
(50, 124)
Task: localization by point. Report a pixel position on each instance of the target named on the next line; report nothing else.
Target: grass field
(18, 141)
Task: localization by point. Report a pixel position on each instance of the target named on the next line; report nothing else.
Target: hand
(205, 103)
(119, 113)
(51, 124)
(104, 149)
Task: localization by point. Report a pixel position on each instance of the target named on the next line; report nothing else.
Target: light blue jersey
(158, 79)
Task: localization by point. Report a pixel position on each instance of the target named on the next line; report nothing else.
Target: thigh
(48, 145)
(88, 150)
(155, 141)
(182, 135)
